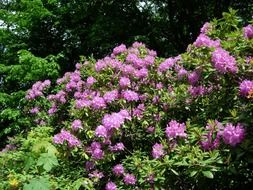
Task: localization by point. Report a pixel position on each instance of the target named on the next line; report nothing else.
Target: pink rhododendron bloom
(149, 60)
(125, 114)
(120, 49)
(233, 135)
(181, 73)
(175, 129)
(114, 120)
(90, 81)
(95, 145)
(100, 65)
(150, 129)
(124, 82)
(97, 154)
(193, 77)
(82, 103)
(246, 87)
(204, 40)
(127, 70)
(110, 186)
(98, 103)
(142, 73)
(111, 96)
(138, 44)
(248, 31)
(34, 110)
(223, 62)
(129, 179)
(152, 53)
(37, 89)
(63, 136)
(78, 66)
(52, 110)
(167, 64)
(157, 151)
(77, 124)
(101, 131)
(205, 28)
(130, 95)
(118, 170)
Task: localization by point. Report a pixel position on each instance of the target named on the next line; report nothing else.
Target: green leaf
(193, 173)
(208, 174)
(29, 162)
(38, 183)
(174, 171)
(48, 161)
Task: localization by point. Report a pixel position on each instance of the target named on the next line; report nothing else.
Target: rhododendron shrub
(133, 120)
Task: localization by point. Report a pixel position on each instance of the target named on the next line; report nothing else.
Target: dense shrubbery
(137, 121)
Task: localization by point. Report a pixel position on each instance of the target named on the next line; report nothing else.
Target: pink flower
(204, 40)
(193, 77)
(167, 64)
(77, 124)
(98, 103)
(248, 31)
(90, 81)
(118, 170)
(115, 120)
(124, 82)
(101, 131)
(223, 62)
(34, 110)
(130, 95)
(246, 87)
(205, 28)
(157, 151)
(120, 49)
(129, 179)
(181, 73)
(111, 96)
(63, 136)
(175, 129)
(97, 154)
(138, 44)
(233, 135)
(110, 186)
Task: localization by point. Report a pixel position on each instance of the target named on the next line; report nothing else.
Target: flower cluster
(205, 28)
(77, 124)
(37, 89)
(246, 88)
(66, 136)
(167, 64)
(224, 62)
(204, 41)
(157, 150)
(120, 49)
(175, 129)
(233, 135)
(248, 31)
